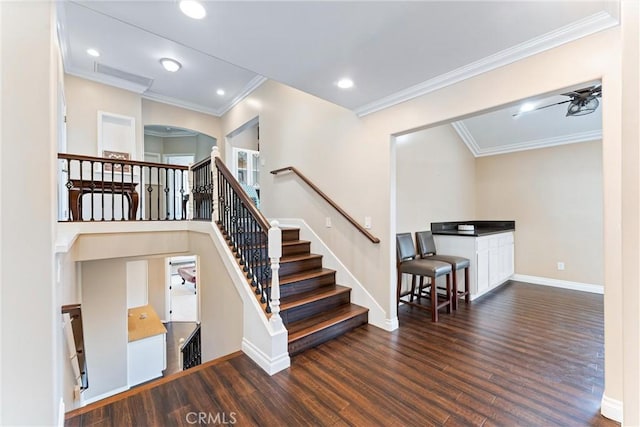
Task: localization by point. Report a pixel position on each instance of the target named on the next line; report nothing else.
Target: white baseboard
(104, 395)
(391, 324)
(268, 364)
(557, 283)
(611, 408)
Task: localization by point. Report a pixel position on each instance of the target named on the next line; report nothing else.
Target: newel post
(215, 206)
(190, 193)
(275, 253)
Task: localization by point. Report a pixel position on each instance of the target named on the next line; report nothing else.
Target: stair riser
(298, 248)
(307, 285)
(315, 307)
(327, 334)
(290, 234)
(300, 266)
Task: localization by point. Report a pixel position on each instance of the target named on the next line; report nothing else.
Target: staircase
(313, 307)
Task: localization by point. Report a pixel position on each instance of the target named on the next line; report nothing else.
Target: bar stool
(409, 263)
(427, 250)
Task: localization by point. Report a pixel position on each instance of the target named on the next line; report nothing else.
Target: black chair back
(426, 244)
(405, 247)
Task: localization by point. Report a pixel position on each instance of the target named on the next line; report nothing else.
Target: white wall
(104, 320)
(435, 174)
(30, 319)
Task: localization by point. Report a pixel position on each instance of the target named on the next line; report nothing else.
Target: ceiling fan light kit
(583, 106)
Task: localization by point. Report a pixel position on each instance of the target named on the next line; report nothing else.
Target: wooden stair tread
(309, 274)
(311, 296)
(294, 242)
(298, 257)
(310, 325)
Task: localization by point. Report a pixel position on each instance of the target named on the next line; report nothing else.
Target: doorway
(243, 156)
(182, 289)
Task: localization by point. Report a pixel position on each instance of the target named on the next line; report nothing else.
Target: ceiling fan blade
(540, 108)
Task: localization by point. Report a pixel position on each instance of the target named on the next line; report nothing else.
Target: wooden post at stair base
(190, 194)
(275, 253)
(215, 207)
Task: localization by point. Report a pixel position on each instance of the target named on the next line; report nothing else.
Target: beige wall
(84, 99)
(104, 320)
(435, 175)
(156, 113)
(221, 310)
(30, 316)
(555, 196)
(157, 285)
(350, 159)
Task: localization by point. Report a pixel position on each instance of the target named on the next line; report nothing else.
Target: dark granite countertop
(481, 228)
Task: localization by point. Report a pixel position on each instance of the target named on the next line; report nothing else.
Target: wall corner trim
(611, 408)
(271, 365)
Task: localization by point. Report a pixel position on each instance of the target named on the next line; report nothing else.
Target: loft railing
(202, 190)
(341, 211)
(101, 189)
(191, 350)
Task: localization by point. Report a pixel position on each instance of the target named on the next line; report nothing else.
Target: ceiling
(392, 50)
(508, 129)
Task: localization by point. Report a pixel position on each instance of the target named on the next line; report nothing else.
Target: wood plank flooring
(524, 355)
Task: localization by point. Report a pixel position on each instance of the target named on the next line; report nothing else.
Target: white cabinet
(491, 259)
(246, 167)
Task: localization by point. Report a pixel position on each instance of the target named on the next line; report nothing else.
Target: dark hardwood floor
(523, 355)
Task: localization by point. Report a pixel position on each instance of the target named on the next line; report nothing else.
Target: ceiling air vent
(144, 82)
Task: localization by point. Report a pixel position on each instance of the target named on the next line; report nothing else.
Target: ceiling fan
(581, 102)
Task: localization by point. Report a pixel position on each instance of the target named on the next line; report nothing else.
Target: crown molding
(169, 135)
(218, 112)
(152, 96)
(253, 84)
(464, 134)
(578, 29)
(475, 149)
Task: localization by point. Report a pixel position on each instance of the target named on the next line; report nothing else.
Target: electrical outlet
(367, 222)
(327, 222)
(560, 265)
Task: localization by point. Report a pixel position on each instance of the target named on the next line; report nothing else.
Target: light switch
(327, 222)
(367, 222)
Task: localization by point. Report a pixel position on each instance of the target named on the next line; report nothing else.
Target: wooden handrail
(201, 162)
(260, 218)
(360, 228)
(123, 162)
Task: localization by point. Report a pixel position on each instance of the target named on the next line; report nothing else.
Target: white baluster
(275, 253)
(215, 152)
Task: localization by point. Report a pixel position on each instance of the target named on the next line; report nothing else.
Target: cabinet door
(482, 261)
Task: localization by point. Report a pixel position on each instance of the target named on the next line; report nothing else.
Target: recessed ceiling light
(93, 52)
(193, 9)
(345, 83)
(220, 92)
(170, 64)
(527, 106)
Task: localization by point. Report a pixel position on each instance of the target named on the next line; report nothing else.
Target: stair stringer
(265, 342)
(359, 294)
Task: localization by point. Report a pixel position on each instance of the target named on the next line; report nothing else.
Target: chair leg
(413, 288)
(434, 300)
(467, 295)
(454, 296)
(449, 292)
